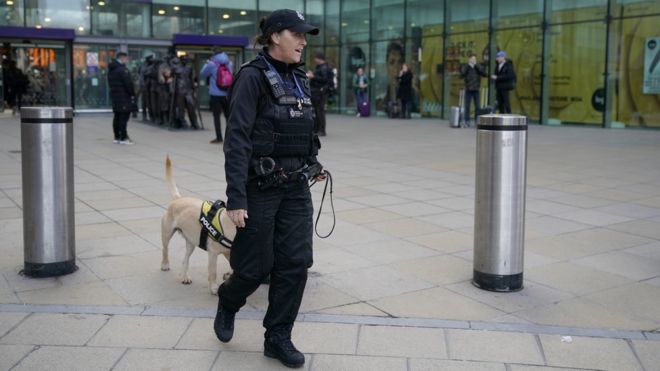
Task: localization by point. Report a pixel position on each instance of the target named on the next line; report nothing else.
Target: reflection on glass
(121, 18)
(187, 19)
(355, 21)
(387, 20)
(59, 14)
(227, 17)
(431, 76)
(514, 13)
(564, 11)
(11, 13)
(577, 62)
(468, 16)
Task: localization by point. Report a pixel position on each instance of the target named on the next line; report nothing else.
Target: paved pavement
(389, 290)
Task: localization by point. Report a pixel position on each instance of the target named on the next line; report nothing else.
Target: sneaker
(216, 141)
(116, 141)
(126, 141)
(280, 347)
(224, 324)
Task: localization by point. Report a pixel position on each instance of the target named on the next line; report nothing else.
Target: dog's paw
(186, 280)
(164, 267)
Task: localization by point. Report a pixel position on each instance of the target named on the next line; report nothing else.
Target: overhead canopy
(37, 33)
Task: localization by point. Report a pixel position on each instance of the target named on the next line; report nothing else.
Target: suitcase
(393, 109)
(364, 109)
(455, 117)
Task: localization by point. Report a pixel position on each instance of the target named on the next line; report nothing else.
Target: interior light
(243, 12)
(9, 2)
(101, 3)
(176, 8)
(38, 26)
(47, 19)
(161, 11)
(81, 28)
(221, 31)
(225, 16)
(344, 24)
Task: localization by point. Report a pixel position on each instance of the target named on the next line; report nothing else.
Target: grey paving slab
(406, 227)
(648, 353)
(247, 361)
(402, 342)
(98, 293)
(70, 358)
(627, 265)
(11, 354)
(642, 228)
(493, 346)
(417, 364)
(158, 360)
(514, 367)
(390, 251)
(575, 278)
(328, 362)
(440, 269)
(142, 332)
(651, 251)
(638, 299)
(55, 329)
(9, 321)
(327, 338)
(248, 337)
(606, 354)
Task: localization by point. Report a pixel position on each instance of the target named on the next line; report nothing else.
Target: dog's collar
(211, 226)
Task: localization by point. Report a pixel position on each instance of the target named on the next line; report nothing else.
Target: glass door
(46, 68)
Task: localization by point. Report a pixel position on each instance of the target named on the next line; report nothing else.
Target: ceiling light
(225, 16)
(176, 8)
(81, 28)
(344, 24)
(47, 19)
(38, 26)
(101, 3)
(221, 31)
(9, 2)
(243, 12)
(161, 11)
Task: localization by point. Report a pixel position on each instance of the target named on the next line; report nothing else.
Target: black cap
(287, 19)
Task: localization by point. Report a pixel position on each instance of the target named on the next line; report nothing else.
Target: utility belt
(270, 175)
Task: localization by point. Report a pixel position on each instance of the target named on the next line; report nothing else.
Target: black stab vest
(283, 128)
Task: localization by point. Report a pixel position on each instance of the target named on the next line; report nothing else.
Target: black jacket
(122, 92)
(506, 76)
(249, 95)
(321, 81)
(473, 75)
(405, 86)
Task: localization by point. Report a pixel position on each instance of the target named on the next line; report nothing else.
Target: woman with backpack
(219, 71)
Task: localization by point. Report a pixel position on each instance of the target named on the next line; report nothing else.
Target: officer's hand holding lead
(321, 177)
(238, 217)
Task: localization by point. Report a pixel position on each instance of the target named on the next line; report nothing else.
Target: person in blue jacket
(218, 97)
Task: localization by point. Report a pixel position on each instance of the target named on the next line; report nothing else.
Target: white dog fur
(183, 216)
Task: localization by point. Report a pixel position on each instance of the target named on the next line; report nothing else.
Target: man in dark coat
(472, 72)
(405, 91)
(319, 82)
(505, 81)
(122, 95)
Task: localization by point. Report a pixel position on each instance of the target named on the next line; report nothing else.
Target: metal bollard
(48, 201)
(499, 211)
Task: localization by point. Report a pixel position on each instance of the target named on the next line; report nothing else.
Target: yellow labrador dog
(183, 215)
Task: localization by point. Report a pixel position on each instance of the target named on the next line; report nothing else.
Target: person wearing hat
(122, 94)
(269, 145)
(505, 81)
(320, 81)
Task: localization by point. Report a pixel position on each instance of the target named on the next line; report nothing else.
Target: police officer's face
(288, 46)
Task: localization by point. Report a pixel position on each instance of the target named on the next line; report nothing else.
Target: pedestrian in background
(405, 90)
(505, 81)
(218, 94)
(472, 72)
(122, 94)
(320, 81)
(360, 85)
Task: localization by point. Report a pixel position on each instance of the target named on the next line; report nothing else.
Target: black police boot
(224, 324)
(280, 347)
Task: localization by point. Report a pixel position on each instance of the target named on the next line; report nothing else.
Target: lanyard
(298, 92)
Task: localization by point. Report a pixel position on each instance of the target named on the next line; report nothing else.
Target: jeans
(119, 124)
(471, 95)
(503, 102)
(219, 105)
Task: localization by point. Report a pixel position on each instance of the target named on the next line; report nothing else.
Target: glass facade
(588, 62)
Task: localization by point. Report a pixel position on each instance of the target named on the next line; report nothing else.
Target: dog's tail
(169, 178)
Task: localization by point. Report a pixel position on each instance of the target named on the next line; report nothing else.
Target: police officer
(269, 144)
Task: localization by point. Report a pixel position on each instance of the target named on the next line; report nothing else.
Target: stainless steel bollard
(48, 201)
(499, 211)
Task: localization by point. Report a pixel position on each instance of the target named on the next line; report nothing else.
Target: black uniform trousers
(276, 240)
(503, 102)
(219, 105)
(119, 123)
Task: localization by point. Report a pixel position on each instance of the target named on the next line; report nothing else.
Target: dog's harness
(211, 226)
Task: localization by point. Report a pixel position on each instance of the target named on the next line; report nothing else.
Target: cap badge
(300, 15)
